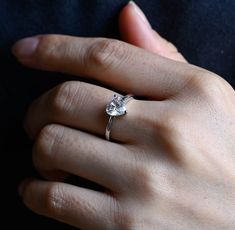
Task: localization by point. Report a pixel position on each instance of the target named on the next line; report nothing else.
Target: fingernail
(25, 48)
(22, 185)
(140, 13)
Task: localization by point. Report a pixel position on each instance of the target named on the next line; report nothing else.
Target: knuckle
(172, 128)
(48, 48)
(46, 145)
(142, 178)
(63, 97)
(106, 53)
(55, 202)
(209, 86)
(169, 123)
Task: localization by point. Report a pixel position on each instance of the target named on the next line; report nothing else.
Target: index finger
(112, 62)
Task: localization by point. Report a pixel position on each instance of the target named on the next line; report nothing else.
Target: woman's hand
(171, 164)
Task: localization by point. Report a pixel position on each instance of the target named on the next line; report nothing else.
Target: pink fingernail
(25, 48)
(140, 13)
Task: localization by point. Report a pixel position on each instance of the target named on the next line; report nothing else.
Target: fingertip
(132, 10)
(23, 186)
(123, 15)
(137, 10)
(135, 28)
(25, 48)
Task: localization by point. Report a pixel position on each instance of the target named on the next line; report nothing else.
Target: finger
(136, 29)
(79, 207)
(115, 63)
(82, 106)
(81, 154)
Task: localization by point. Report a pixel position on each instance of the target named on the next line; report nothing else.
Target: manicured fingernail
(140, 13)
(25, 48)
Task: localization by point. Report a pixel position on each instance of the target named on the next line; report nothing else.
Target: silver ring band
(116, 108)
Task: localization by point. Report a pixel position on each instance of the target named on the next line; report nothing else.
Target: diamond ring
(116, 108)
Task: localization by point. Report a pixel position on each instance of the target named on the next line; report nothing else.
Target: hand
(172, 163)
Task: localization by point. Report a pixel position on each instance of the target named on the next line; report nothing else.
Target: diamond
(116, 107)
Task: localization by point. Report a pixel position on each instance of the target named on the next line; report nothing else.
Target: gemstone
(116, 107)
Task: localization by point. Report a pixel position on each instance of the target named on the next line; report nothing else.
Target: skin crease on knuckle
(50, 49)
(106, 54)
(45, 148)
(53, 202)
(63, 97)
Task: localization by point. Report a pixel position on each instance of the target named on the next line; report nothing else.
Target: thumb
(135, 29)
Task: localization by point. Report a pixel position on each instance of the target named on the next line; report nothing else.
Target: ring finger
(82, 106)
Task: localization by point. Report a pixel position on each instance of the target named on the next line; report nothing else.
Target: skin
(171, 163)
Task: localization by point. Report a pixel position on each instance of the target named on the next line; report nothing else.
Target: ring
(116, 108)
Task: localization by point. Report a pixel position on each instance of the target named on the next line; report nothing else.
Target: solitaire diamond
(116, 107)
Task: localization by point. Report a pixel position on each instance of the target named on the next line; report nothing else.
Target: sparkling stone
(116, 107)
